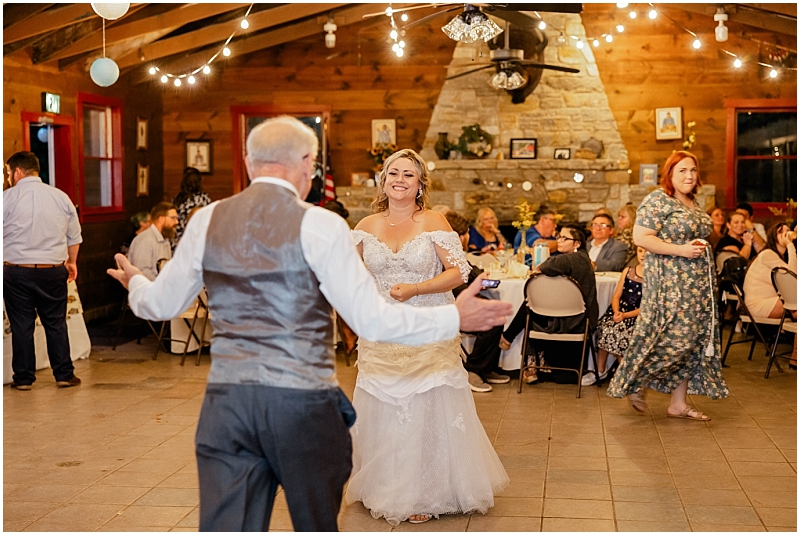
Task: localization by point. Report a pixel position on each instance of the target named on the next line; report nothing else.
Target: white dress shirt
(147, 249)
(330, 253)
(595, 250)
(39, 223)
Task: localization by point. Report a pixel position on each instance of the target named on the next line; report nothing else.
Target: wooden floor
(116, 454)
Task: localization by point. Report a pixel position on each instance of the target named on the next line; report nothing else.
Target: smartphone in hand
(489, 283)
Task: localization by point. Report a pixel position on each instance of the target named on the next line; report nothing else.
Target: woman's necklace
(403, 221)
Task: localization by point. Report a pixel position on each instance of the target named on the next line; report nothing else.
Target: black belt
(34, 266)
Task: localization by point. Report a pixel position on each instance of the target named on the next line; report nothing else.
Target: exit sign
(51, 103)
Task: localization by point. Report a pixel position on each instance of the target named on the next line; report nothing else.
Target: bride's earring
(419, 193)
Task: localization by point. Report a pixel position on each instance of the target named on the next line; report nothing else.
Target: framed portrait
(669, 123)
(198, 155)
(648, 174)
(359, 179)
(561, 154)
(384, 132)
(142, 180)
(141, 133)
(523, 149)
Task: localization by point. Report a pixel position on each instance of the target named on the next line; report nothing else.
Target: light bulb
(595, 43)
(245, 24)
(318, 120)
(206, 70)
(579, 44)
(177, 82)
(773, 73)
(164, 79)
(393, 34)
(542, 25)
(152, 70)
(697, 44)
(653, 14)
(633, 14)
(721, 32)
(578, 177)
(737, 63)
(402, 44)
(226, 51)
(389, 11)
(620, 28)
(399, 52)
(609, 38)
(622, 5)
(395, 47)
(404, 17)
(561, 38)
(191, 80)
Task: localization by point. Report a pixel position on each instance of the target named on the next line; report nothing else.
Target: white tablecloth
(512, 291)
(79, 343)
(180, 329)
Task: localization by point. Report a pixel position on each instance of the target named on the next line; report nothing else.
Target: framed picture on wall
(198, 155)
(141, 133)
(142, 180)
(523, 149)
(561, 154)
(384, 132)
(648, 174)
(669, 123)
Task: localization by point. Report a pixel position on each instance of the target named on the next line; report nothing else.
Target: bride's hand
(403, 292)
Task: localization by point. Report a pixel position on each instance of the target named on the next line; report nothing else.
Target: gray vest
(272, 325)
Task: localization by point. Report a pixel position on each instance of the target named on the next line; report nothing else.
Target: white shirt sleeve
(180, 281)
(351, 290)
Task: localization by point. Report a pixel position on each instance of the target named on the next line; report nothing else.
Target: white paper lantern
(111, 11)
(104, 72)
(41, 134)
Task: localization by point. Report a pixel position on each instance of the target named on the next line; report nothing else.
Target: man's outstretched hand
(125, 271)
(480, 314)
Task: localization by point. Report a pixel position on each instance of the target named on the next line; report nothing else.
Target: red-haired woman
(674, 348)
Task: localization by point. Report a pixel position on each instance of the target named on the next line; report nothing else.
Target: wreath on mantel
(474, 142)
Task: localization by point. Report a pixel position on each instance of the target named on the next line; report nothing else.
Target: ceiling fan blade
(459, 75)
(520, 20)
(535, 65)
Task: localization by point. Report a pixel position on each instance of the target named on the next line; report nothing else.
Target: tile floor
(116, 454)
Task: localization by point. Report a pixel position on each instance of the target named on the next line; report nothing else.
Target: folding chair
(785, 283)
(123, 310)
(728, 264)
(190, 318)
(555, 297)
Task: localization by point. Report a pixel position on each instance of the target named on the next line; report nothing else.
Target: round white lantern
(41, 134)
(104, 72)
(111, 11)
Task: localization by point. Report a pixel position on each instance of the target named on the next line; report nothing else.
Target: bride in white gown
(419, 449)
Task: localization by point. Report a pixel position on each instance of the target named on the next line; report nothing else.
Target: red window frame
(734, 106)
(117, 210)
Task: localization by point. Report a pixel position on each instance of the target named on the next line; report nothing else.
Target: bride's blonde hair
(381, 202)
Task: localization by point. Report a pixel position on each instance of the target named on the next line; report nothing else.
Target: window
(100, 158)
(762, 153)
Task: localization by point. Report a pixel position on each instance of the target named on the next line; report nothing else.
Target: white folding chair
(555, 297)
(785, 283)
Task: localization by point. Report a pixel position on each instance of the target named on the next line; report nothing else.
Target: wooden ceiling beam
(51, 20)
(220, 32)
(161, 24)
(789, 9)
(16, 13)
(742, 14)
(300, 30)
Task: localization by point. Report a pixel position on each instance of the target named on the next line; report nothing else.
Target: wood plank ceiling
(181, 36)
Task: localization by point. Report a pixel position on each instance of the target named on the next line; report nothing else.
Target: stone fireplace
(565, 111)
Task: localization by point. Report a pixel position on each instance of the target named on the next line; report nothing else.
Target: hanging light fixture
(111, 11)
(104, 71)
(721, 31)
(471, 25)
(508, 77)
(330, 37)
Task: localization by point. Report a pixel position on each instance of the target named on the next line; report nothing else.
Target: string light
(164, 79)
(226, 52)
(609, 38)
(152, 70)
(696, 44)
(393, 34)
(404, 17)
(620, 28)
(595, 43)
(737, 63)
(206, 70)
(579, 44)
(622, 5)
(653, 14)
(245, 24)
(177, 82)
(191, 80)
(773, 73)
(542, 25)
(633, 14)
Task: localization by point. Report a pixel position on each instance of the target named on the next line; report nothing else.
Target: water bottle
(541, 252)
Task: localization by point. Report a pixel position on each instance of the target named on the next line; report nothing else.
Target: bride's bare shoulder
(368, 223)
(435, 221)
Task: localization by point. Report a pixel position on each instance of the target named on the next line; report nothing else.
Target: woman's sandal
(637, 403)
(419, 518)
(690, 413)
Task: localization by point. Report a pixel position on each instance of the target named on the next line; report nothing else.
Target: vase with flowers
(379, 153)
(525, 220)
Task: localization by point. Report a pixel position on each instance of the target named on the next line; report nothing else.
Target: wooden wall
(378, 85)
(652, 65)
(23, 84)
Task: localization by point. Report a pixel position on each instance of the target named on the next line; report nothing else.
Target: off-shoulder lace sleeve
(450, 242)
(357, 236)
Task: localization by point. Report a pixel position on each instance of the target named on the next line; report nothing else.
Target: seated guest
(616, 326)
(542, 232)
(140, 223)
(746, 210)
(738, 239)
(190, 196)
(575, 263)
(759, 293)
(153, 244)
(484, 236)
(483, 362)
(626, 217)
(718, 219)
(606, 253)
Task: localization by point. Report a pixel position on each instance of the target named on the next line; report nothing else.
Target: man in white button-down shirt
(273, 267)
(154, 244)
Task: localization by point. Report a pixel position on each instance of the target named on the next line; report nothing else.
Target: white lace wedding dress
(418, 445)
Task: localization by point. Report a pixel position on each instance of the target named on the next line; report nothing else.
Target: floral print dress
(675, 326)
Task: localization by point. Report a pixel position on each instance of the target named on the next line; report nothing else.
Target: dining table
(512, 290)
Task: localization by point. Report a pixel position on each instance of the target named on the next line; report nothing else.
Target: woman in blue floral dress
(675, 347)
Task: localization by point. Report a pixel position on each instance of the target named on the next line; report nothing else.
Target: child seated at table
(616, 326)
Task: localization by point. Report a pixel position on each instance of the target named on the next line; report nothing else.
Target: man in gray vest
(273, 266)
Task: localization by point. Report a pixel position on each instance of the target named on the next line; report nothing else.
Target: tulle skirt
(424, 452)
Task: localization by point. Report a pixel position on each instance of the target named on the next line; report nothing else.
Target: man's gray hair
(281, 140)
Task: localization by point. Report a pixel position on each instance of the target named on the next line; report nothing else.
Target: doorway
(49, 137)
